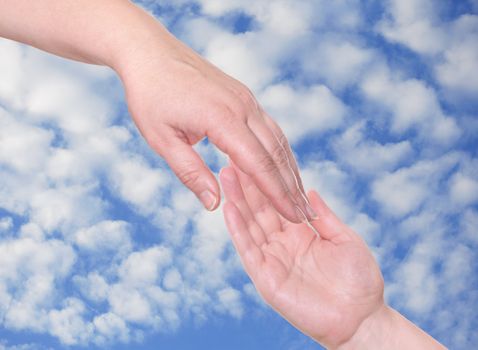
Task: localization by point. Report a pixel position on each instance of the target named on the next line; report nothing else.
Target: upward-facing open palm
(325, 286)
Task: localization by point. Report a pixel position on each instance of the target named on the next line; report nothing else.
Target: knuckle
(247, 97)
(267, 165)
(279, 155)
(189, 176)
(230, 113)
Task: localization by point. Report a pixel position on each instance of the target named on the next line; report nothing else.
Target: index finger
(250, 156)
(282, 139)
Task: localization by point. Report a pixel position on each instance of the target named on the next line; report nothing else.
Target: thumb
(192, 171)
(328, 224)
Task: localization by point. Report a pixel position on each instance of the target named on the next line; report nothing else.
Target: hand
(177, 98)
(325, 286)
(329, 287)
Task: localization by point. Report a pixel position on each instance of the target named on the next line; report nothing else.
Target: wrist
(388, 329)
(140, 38)
(374, 332)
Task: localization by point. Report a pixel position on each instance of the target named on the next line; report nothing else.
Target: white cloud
(412, 23)
(449, 44)
(65, 207)
(11, 72)
(302, 112)
(469, 225)
(130, 304)
(205, 263)
(289, 17)
(172, 279)
(405, 190)
(138, 183)
(110, 327)
(143, 267)
(457, 267)
(338, 60)
(94, 287)
(463, 189)
(282, 27)
(419, 286)
(50, 88)
(230, 301)
(6, 224)
(30, 270)
(24, 147)
(399, 193)
(68, 324)
(31, 257)
(368, 156)
(105, 236)
(335, 186)
(28, 346)
(367, 228)
(412, 104)
(459, 69)
(232, 54)
(88, 156)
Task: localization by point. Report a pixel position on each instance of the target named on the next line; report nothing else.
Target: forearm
(104, 32)
(388, 329)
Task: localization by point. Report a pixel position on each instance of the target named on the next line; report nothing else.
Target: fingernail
(310, 212)
(208, 199)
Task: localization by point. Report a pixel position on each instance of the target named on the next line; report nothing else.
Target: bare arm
(89, 31)
(175, 96)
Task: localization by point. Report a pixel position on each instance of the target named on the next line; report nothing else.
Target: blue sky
(100, 246)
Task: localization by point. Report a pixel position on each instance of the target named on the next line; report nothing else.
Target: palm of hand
(324, 286)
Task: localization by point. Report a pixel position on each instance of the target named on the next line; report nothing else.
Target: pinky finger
(250, 254)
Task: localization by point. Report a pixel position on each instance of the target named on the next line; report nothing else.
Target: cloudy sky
(101, 246)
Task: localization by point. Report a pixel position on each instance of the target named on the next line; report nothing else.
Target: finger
(250, 254)
(260, 206)
(276, 148)
(247, 152)
(328, 225)
(191, 170)
(234, 193)
(275, 128)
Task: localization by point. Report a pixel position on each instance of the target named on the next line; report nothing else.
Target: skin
(175, 96)
(329, 286)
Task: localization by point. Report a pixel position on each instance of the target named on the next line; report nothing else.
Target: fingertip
(328, 224)
(316, 201)
(207, 189)
(209, 199)
(193, 172)
(312, 195)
